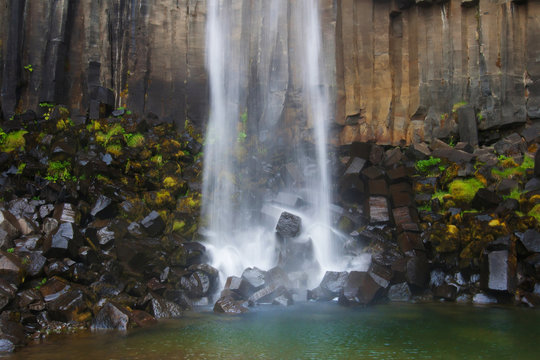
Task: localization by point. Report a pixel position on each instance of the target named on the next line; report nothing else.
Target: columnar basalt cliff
(398, 69)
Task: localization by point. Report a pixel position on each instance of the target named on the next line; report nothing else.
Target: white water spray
(236, 239)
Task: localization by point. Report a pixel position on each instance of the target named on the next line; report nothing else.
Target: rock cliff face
(398, 69)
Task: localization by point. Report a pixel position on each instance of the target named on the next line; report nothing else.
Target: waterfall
(236, 238)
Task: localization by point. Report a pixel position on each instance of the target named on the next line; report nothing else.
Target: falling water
(236, 239)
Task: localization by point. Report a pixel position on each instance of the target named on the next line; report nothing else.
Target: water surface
(317, 331)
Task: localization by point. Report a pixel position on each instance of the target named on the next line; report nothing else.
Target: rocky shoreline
(99, 220)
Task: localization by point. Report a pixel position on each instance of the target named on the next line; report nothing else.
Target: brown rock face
(396, 69)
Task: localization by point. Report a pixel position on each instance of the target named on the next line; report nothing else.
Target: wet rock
(66, 213)
(71, 305)
(399, 292)
(296, 255)
(161, 308)
(8, 228)
(11, 268)
(197, 284)
(531, 241)
(228, 305)
(355, 166)
(142, 318)
(153, 224)
(417, 270)
(35, 262)
(373, 172)
(105, 237)
(445, 291)
(178, 297)
(360, 288)
(45, 210)
(11, 334)
(104, 208)
(381, 274)
(486, 199)
(49, 226)
(30, 299)
(378, 187)
(7, 292)
(112, 316)
(331, 285)
(531, 300)
(288, 225)
(408, 241)
(239, 286)
(378, 209)
(64, 242)
(484, 299)
(267, 294)
(498, 271)
(254, 277)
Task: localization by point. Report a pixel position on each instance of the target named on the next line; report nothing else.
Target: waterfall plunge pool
(316, 331)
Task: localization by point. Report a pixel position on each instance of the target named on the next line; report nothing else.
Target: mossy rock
(189, 204)
(161, 199)
(448, 175)
(445, 238)
(463, 191)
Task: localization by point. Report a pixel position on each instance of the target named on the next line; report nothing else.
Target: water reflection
(317, 331)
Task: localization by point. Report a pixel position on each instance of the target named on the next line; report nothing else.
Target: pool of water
(317, 331)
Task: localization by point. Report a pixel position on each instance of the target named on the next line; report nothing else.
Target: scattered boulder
(228, 305)
(399, 292)
(112, 317)
(153, 224)
(360, 288)
(288, 225)
(64, 242)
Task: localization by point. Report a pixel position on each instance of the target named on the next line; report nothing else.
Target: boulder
(104, 208)
(445, 291)
(417, 270)
(360, 288)
(112, 316)
(66, 213)
(64, 242)
(483, 299)
(153, 224)
(239, 286)
(11, 334)
(267, 294)
(228, 305)
(11, 268)
(468, 130)
(161, 308)
(378, 209)
(288, 225)
(355, 166)
(399, 292)
(486, 199)
(71, 305)
(531, 241)
(9, 229)
(330, 287)
(498, 271)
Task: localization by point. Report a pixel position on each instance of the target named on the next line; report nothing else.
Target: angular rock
(399, 292)
(288, 225)
(69, 306)
(64, 242)
(408, 241)
(34, 263)
(104, 208)
(355, 166)
(378, 187)
(453, 155)
(153, 224)
(11, 268)
(417, 270)
(30, 299)
(65, 213)
(360, 288)
(418, 151)
(283, 300)
(239, 286)
(373, 172)
(111, 316)
(486, 199)
(228, 305)
(484, 299)
(498, 271)
(468, 130)
(531, 241)
(9, 229)
(267, 294)
(510, 145)
(163, 309)
(445, 291)
(378, 209)
(381, 274)
(330, 287)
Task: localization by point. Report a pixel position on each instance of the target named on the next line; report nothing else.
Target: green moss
(424, 208)
(514, 194)
(535, 212)
(440, 195)
(464, 190)
(114, 149)
(134, 140)
(458, 105)
(157, 159)
(510, 168)
(178, 225)
(424, 166)
(105, 137)
(13, 141)
(59, 170)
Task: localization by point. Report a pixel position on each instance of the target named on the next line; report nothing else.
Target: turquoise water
(318, 331)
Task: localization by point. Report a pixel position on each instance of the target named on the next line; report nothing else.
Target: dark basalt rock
(498, 271)
(66, 212)
(330, 287)
(72, 305)
(360, 288)
(112, 316)
(399, 292)
(161, 308)
(9, 228)
(228, 305)
(7, 292)
(11, 268)
(254, 277)
(445, 291)
(267, 294)
(288, 225)
(486, 199)
(531, 241)
(417, 270)
(153, 224)
(64, 242)
(104, 208)
(11, 334)
(30, 299)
